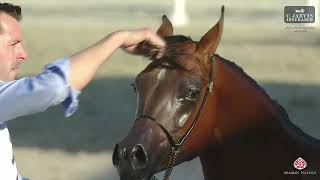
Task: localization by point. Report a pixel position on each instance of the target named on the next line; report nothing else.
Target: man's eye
(14, 43)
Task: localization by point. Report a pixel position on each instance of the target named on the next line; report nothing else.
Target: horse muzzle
(136, 157)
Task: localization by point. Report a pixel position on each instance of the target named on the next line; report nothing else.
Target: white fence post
(179, 15)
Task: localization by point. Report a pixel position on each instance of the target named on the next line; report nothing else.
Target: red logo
(300, 163)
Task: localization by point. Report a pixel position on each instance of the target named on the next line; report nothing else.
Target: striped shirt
(31, 95)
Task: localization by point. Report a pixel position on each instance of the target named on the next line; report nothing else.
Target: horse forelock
(171, 55)
(177, 39)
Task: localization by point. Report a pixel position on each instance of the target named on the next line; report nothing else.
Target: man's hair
(12, 10)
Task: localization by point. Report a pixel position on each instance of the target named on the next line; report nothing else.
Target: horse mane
(281, 113)
(250, 79)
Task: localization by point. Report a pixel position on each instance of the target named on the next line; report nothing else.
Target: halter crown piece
(175, 147)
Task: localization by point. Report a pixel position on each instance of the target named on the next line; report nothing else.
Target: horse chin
(151, 177)
(146, 177)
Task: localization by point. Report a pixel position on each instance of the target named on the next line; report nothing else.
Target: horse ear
(165, 28)
(210, 41)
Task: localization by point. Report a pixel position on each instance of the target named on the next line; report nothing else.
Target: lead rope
(174, 154)
(173, 157)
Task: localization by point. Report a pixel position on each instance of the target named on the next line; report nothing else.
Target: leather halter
(175, 146)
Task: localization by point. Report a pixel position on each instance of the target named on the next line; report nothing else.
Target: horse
(194, 103)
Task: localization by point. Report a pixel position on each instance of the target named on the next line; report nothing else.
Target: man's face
(11, 51)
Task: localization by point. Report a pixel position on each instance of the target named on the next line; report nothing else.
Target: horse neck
(243, 112)
(239, 101)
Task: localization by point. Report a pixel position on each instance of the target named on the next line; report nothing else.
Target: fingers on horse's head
(152, 51)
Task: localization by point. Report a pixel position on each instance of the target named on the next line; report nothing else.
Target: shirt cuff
(70, 103)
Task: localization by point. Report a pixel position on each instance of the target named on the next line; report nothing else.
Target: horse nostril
(115, 156)
(138, 157)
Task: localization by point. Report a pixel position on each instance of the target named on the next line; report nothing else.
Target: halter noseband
(175, 147)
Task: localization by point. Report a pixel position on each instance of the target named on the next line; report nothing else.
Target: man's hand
(86, 62)
(132, 39)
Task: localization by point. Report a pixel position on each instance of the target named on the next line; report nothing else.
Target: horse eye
(193, 94)
(134, 87)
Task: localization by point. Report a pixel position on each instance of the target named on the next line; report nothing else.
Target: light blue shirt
(31, 95)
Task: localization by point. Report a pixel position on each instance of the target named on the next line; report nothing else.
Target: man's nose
(22, 54)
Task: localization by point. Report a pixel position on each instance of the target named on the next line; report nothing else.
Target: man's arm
(60, 80)
(85, 63)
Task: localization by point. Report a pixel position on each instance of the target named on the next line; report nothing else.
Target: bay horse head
(192, 102)
(171, 95)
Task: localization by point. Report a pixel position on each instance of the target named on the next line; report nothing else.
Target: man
(60, 83)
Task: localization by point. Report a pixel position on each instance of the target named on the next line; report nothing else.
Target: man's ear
(210, 41)
(165, 28)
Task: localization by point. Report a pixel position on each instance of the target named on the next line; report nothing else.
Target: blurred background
(49, 146)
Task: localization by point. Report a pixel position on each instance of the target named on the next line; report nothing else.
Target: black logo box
(299, 14)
